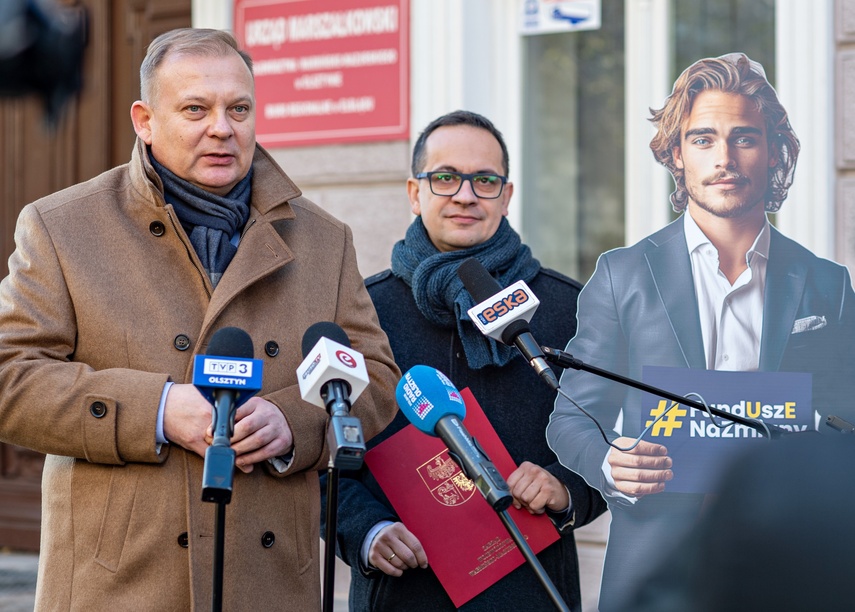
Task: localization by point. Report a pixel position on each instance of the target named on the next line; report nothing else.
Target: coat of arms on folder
(467, 545)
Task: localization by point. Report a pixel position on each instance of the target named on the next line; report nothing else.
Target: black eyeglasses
(487, 186)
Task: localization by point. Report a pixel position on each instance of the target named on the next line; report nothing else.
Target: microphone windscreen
(231, 342)
(323, 329)
(425, 395)
(477, 281)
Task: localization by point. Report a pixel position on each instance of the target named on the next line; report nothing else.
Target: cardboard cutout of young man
(718, 289)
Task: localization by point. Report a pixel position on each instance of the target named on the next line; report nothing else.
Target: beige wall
(364, 185)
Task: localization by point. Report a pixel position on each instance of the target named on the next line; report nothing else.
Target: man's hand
(536, 489)
(186, 417)
(642, 471)
(261, 432)
(395, 549)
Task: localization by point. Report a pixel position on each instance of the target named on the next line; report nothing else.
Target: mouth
(219, 158)
(463, 219)
(727, 181)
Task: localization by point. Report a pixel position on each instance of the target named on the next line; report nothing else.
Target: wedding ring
(389, 559)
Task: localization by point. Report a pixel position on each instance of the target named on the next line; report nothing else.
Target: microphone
(432, 403)
(332, 375)
(504, 314)
(227, 376)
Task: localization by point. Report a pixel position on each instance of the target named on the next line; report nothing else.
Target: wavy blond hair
(732, 73)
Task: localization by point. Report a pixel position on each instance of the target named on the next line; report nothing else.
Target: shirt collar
(695, 238)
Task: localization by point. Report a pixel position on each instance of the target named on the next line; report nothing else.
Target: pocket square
(809, 324)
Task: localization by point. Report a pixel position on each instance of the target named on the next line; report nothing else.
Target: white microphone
(504, 314)
(332, 375)
(328, 358)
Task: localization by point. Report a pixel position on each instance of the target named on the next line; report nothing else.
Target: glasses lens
(448, 184)
(445, 183)
(487, 185)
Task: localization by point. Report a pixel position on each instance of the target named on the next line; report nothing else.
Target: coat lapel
(785, 284)
(668, 260)
(261, 251)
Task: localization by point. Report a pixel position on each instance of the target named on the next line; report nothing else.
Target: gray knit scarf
(210, 220)
(440, 295)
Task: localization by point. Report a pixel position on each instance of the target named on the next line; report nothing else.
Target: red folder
(467, 545)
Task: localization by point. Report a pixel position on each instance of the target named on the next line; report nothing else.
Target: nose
(220, 126)
(466, 195)
(725, 159)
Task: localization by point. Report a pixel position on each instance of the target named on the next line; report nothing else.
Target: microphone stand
(347, 448)
(566, 360)
(329, 546)
(217, 481)
(497, 496)
(533, 561)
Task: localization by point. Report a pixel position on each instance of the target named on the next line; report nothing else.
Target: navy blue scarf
(210, 220)
(440, 295)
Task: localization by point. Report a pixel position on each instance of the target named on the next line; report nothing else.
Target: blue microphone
(226, 376)
(432, 403)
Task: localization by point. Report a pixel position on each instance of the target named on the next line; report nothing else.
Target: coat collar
(668, 259)
(262, 250)
(271, 187)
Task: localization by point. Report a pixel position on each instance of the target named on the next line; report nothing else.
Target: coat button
(181, 342)
(267, 539)
(157, 228)
(271, 348)
(98, 409)
(183, 542)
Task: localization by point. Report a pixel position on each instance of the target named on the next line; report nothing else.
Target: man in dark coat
(421, 304)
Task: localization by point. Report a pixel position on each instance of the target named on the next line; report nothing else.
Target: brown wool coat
(102, 285)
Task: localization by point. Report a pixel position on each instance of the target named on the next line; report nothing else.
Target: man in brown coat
(115, 285)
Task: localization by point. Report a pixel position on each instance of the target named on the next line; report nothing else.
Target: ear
(141, 116)
(677, 157)
(413, 189)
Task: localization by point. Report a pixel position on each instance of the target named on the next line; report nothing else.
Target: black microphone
(227, 376)
(432, 403)
(504, 314)
(333, 375)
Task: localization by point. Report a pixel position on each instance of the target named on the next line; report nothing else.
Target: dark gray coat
(517, 404)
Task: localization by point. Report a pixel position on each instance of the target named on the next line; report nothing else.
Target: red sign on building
(327, 71)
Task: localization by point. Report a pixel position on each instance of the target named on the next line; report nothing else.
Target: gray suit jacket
(639, 308)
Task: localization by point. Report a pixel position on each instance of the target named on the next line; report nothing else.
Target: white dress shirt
(731, 315)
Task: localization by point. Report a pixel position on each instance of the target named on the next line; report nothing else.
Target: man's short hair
(737, 74)
(458, 117)
(187, 41)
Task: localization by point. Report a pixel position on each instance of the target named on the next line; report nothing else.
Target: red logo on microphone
(346, 358)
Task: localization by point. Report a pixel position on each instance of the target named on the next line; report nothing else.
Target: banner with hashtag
(699, 446)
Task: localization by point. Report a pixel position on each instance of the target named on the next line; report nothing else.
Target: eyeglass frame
(463, 178)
